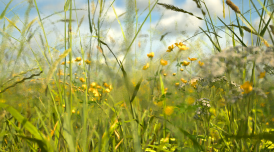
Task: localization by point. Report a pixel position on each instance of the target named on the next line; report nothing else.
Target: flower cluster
(203, 109)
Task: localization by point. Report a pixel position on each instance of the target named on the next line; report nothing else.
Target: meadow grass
(87, 98)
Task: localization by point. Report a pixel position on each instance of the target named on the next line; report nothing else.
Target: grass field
(80, 94)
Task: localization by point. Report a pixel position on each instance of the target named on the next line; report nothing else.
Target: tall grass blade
(239, 26)
(54, 66)
(233, 33)
(66, 6)
(174, 8)
(4, 11)
(25, 123)
(13, 24)
(136, 89)
(265, 27)
(217, 47)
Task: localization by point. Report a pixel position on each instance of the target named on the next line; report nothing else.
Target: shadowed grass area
(90, 92)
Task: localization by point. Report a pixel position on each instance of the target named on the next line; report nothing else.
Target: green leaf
(219, 49)
(265, 27)
(136, 89)
(39, 142)
(239, 26)
(25, 123)
(4, 12)
(193, 138)
(233, 33)
(12, 23)
(162, 86)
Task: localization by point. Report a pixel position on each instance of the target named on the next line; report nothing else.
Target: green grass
(70, 101)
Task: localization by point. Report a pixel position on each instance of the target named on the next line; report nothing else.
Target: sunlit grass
(90, 99)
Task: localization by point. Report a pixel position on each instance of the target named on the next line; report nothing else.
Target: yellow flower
(2, 100)
(110, 87)
(90, 89)
(78, 59)
(247, 87)
(146, 66)
(201, 63)
(72, 111)
(185, 63)
(190, 100)
(267, 123)
(82, 80)
(183, 80)
(95, 93)
(177, 84)
(93, 84)
(262, 75)
(88, 62)
(174, 74)
(63, 63)
(84, 86)
(170, 48)
(107, 90)
(169, 110)
(192, 59)
(150, 55)
(160, 103)
(163, 62)
(181, 46)
(181, 69)
(165, 74)
(262, 104)
(105, 84)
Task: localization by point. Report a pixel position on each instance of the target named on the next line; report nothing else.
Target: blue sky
(172, 22)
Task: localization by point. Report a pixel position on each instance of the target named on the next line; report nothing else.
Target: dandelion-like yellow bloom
(63, 63)
(84, 86)
(201, 63)
(150, 55)
(110, 87)
(107, 90)
(159, 104)
(185, 63)
(174, 74)
(170, 48)
(169, 110)
(181, 69)
(181, 46)
(247, 87)
(90, 89)
(73, 111)
(262, 75)
(82, 80)
(192, 59)
(78, 59)
(165, 74)
(88, 62)
(105, 84)
(177, 84)
(163, 62)
(93, 84)
(146, 66)
(95, 93)
(183, 80)
(190, 100)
